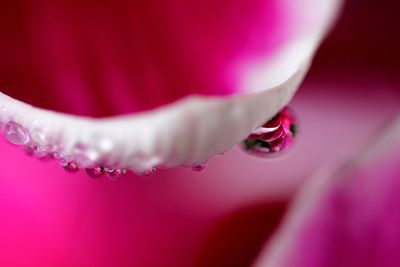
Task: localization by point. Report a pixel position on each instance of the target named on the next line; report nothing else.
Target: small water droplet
(84, 156)
(30, 149)
(116, 173)
(70, 166)
(198, 167)
(41, 153)
(16, 134)
(34, 150)
(57, 156)
(269, 143)
(95, 172)
(39, 137)
(148, 172)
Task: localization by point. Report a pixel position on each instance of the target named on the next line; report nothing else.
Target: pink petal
(103, 58)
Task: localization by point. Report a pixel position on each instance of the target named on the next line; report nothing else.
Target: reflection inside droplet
(268, 143)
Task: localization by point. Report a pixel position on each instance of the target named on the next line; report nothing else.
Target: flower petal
(117, 57)
(105, 58)
(187, 132)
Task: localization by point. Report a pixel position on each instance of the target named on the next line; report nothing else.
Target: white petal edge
(261, 73)
(187, 132)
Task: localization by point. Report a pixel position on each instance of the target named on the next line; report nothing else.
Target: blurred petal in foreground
(349, 218)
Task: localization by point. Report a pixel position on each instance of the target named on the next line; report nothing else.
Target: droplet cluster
(35, 144)
(274, 136)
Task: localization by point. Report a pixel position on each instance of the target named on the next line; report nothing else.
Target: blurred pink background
(224, 215)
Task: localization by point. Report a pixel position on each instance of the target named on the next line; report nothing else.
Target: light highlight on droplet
(274, 136)
(16, 134)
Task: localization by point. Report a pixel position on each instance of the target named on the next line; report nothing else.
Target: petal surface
(117, 57)
(198, 76)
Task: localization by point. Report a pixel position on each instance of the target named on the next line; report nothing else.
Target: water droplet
(57, 156)
(70, 166)
(95, 172)
(39, 137)
(16, 134)
(43, 153)
(268, 143)
(198, 167)
(148, 172)
(30, 149)
(84, 156)
(116, 173)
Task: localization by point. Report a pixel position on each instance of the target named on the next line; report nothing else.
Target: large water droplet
(16, 134)
(279, 135)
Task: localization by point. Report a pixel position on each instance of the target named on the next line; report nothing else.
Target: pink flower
(196, 78)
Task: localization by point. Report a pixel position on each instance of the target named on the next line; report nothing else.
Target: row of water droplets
(36, 144)
(274, 136)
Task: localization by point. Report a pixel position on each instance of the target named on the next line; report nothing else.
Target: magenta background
(219, 217)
